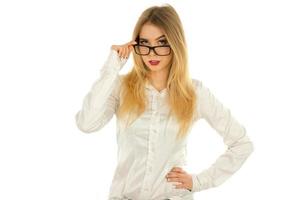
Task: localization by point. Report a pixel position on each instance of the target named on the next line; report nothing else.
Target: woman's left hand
(177, 174)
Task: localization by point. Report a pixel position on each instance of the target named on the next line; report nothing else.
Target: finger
(123, 52)
(180, 186)
(174, 175)
(178, 169)
(132, 42)
(120, 52)
(130, 45)
(118, 49)
(174, 180)
(126, 52)
(130, 48)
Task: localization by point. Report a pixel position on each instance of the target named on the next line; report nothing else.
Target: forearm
(100, 103)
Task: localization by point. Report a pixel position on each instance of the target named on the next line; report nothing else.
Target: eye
(163, 42)
(143, 41)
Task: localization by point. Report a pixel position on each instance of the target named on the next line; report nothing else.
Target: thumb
(133, 42)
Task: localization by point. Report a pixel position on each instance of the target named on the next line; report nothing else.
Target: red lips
(154, 62)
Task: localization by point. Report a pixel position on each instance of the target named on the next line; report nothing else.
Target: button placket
(150, 155)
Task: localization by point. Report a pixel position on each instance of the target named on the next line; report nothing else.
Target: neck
(159, 79)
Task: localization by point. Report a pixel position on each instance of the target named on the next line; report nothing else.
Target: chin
(155, 68)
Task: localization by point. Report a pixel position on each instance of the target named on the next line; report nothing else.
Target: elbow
(247, 149)
(243, 148)
(82, 125)
(248, 145)
(83, 128)
(251, 147)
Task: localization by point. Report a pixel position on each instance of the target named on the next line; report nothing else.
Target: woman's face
(152, 35)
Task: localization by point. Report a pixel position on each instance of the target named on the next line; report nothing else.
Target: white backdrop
(246, 52)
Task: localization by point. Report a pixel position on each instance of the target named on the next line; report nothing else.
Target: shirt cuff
(200, 182)
(196, 185)
(114, 62)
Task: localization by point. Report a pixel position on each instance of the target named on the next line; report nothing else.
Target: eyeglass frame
(151, 48)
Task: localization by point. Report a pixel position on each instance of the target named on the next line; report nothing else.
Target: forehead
(150, 31)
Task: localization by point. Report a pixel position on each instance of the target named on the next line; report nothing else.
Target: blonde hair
(180, 89)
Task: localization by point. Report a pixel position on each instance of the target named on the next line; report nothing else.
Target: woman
(156, 104)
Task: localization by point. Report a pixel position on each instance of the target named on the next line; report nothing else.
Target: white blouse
(147, 149)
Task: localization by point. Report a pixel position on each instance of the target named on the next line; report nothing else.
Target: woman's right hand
(124, 50)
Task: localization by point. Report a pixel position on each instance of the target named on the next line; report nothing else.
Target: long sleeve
(101, 102)
(239, 146)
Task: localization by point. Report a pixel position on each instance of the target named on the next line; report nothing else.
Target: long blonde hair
(181, 93)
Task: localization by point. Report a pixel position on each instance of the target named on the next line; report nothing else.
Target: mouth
(154, 62)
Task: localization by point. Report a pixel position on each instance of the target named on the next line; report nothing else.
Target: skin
(158, 74)
(158, 78)
(177, 174)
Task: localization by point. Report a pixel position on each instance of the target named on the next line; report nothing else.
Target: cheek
(166, 60)
(144, 59)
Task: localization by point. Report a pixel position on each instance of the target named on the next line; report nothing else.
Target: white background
(246, 52)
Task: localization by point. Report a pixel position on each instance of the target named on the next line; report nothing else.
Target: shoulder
(203, 93)
(197, 83)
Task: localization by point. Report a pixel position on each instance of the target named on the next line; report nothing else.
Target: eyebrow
(155, 39)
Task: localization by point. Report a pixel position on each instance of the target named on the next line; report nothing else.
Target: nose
(152, 53)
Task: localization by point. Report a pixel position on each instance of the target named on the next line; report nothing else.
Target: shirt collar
(150, 87)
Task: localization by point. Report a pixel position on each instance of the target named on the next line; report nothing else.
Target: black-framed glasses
(143, 50)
